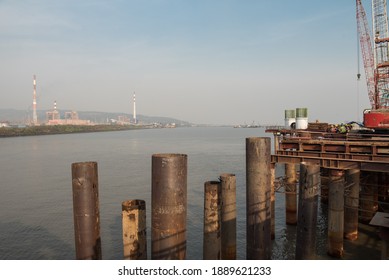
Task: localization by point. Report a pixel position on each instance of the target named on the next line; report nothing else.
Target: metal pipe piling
(258, 205)
(134, 230)
(169, 206)
(86, 211)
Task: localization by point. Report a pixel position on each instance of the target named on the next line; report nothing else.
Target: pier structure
(361, 164)
(352, 168)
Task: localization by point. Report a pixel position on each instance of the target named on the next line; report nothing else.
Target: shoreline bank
(63, 129)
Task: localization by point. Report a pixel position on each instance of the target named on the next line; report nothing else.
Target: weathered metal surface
(212, 221)
(307, 214)
(290, 194)
(228, 216)
(169, 206)
(368, 196)
(258, 205)
(336, 214)
(86, 211)
(273, 201)
(334, 163)
(340, 146)
(351, 204)
(134, 230)
(348, 156)
(324, 181)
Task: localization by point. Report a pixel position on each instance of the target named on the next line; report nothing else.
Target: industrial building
(53, 117)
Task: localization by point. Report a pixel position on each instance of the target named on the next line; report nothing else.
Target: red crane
(376, 64)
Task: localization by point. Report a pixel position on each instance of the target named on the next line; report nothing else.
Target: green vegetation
(61, 129)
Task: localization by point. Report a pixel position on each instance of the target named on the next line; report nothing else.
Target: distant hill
(21, 117)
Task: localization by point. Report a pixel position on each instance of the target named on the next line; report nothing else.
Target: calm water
(36, 215)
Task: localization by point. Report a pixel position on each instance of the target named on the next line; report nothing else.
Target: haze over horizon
(211, 62)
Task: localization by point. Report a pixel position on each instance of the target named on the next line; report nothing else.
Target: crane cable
(358, 74)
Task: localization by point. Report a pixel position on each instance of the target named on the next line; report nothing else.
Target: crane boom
(367, 51)
(381, 52)
(380, 31)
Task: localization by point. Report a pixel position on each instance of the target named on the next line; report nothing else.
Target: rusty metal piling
(169, 206)
(273, 200)
(351, 204)
(228, 216)
(290, 194)
(86, 211)
(336, 213)
(134, 230)
(212, 221)
(324, 181)
(258, 205)
(307, 214)
(368, 196)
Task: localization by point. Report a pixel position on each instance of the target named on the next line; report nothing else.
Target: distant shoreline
(63, 129)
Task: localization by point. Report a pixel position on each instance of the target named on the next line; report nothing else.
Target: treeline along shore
(62, 129)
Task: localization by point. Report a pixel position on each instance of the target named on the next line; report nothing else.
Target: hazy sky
(203, 61)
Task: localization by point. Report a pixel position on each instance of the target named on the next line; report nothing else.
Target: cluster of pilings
(169, 209)
(353, 197)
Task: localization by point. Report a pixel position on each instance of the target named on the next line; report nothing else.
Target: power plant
(53, 117)
(71, 117)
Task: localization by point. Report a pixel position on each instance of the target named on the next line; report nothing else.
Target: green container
(290, 114)
(301, 112)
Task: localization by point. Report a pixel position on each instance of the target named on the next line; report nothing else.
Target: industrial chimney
(34, 115)
(135, 120)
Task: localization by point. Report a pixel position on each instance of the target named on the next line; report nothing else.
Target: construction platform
(366, 152)
(358, 199)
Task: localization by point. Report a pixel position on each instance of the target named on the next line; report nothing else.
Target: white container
(301, 118)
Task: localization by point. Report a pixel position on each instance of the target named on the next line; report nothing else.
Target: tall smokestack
(135, 121)
(34, 115)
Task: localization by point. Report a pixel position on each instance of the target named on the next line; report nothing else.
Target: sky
(202, 61)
